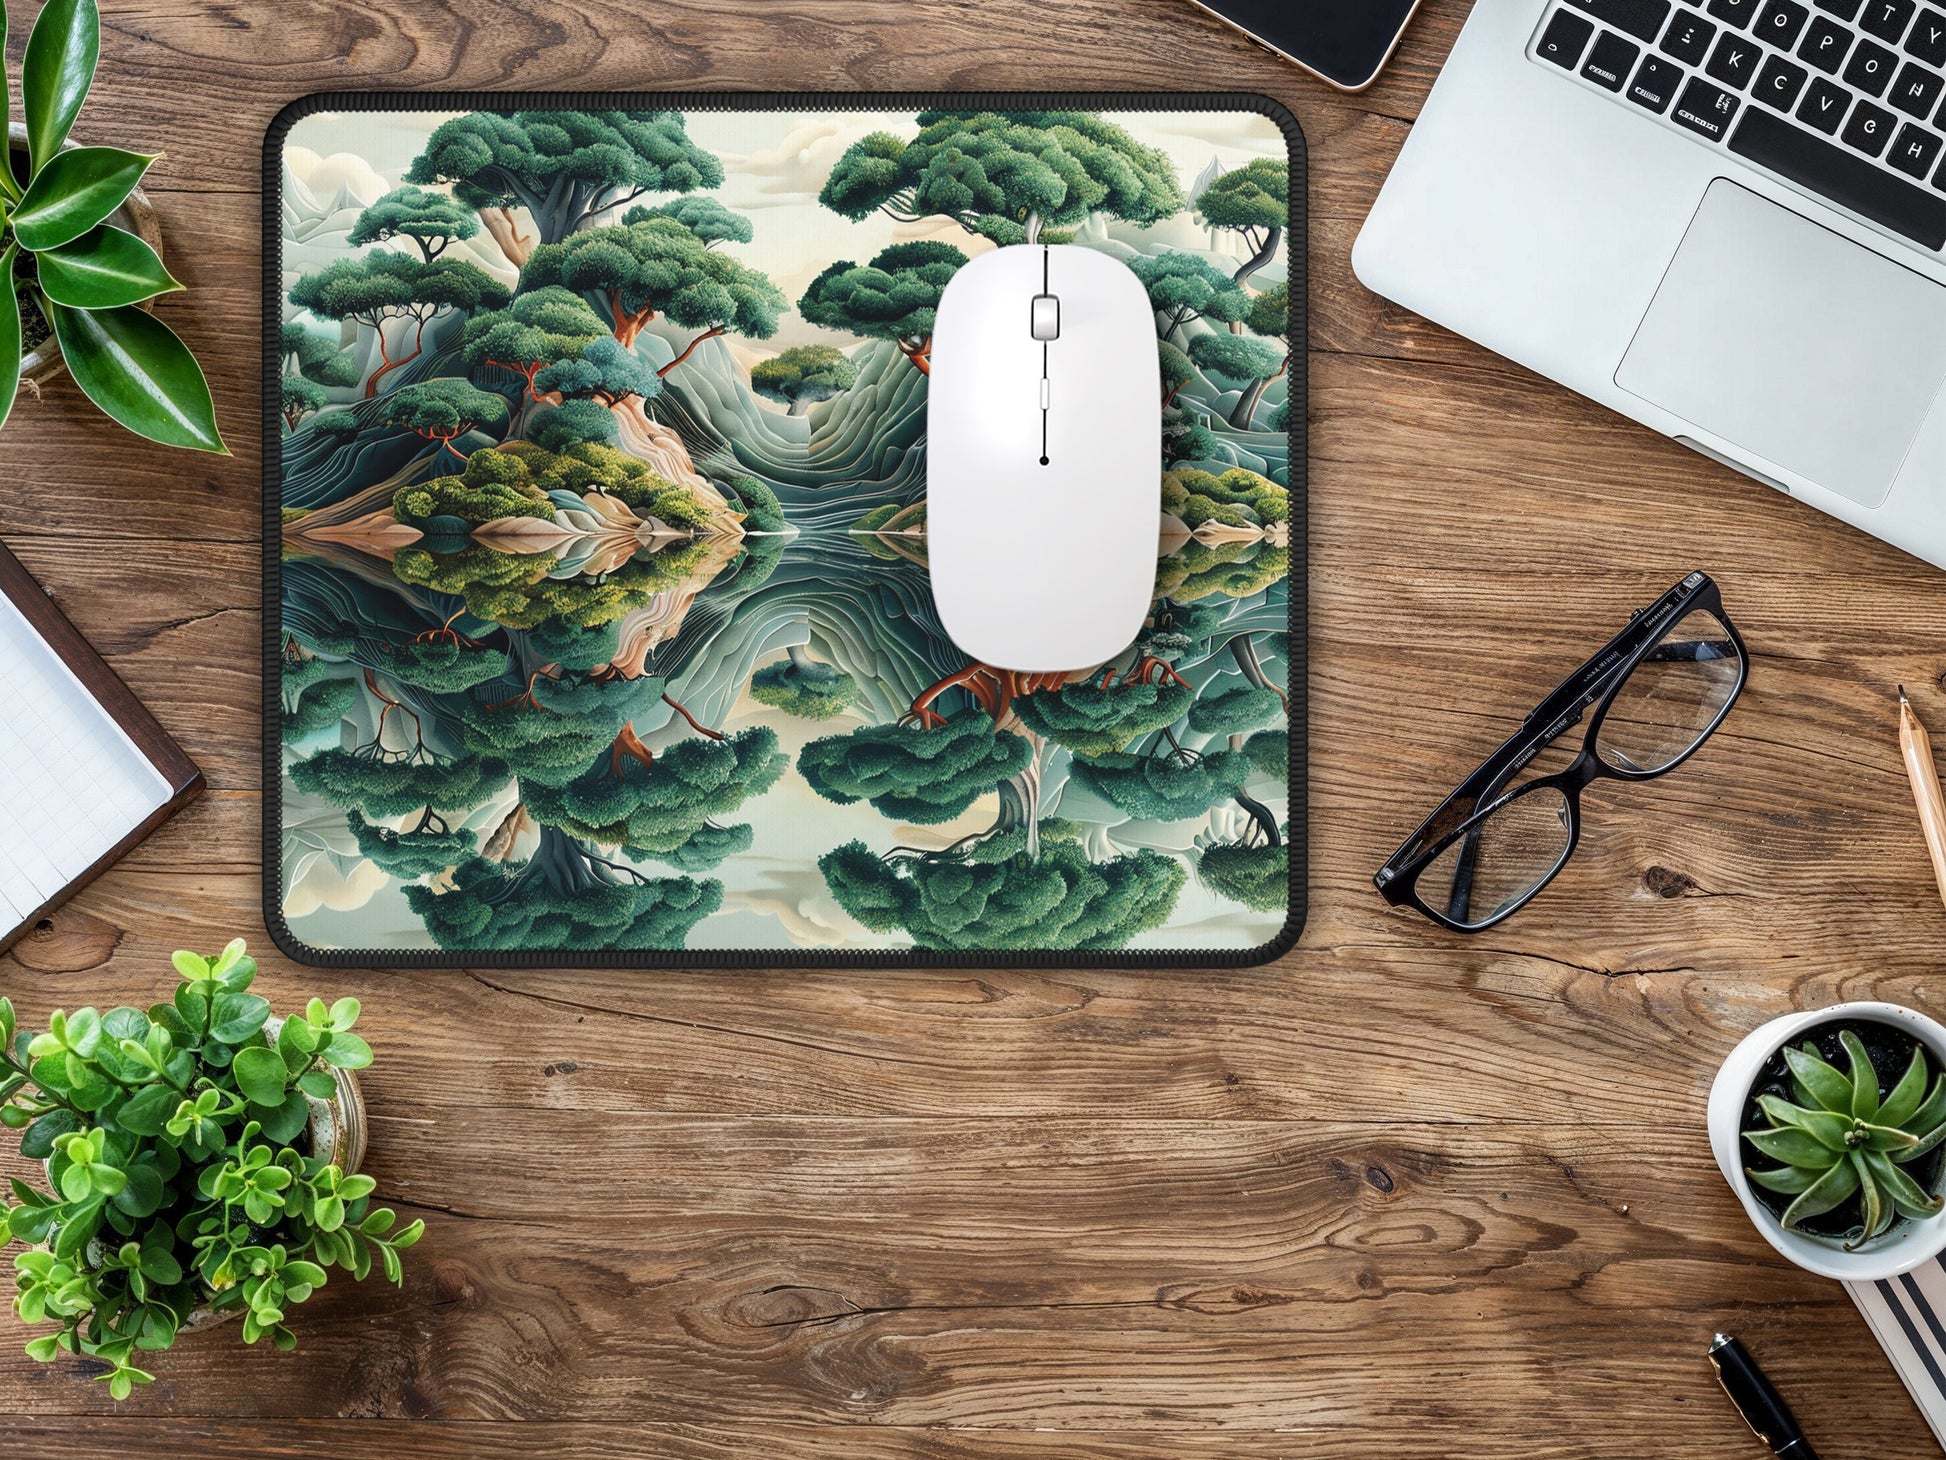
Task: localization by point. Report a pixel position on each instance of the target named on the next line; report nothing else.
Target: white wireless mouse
(1044, 458)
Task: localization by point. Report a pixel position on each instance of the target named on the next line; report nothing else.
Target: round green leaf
(147, 1110)
(348, 1052)
(74, 192)
(143, 1193)
(102, 268)
(132, 365)
(283, 1123)
(236, 1017)
(56, 73)
(261, 1076)
(42, 1350)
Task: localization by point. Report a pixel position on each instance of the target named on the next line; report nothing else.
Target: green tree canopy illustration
(421, 851)
(1238, 498)
(536, 329)
(804, 375)
(1245, 360)
(656, 266)
(1006, 177)
(443, 409)
(1176, 371)
(921, 775)
(515, 479)
(1187, 286)
(445, 666)
(1091, 720)
(556, 729)
(431, 221)
(605, 370)
(762, 512)
(702, 215)
(1236, 569)
(493, 484)
(565, 897)
(519, 591)
(375, 289)
(1259, 877)
(1236, 711)
(1269, 753)
(313, 702)
(298, 398)
(660, 805)
(573, 423)
(386, 786)
(1172, 787)
(1058, 900)
(316, 356)
(564, 167)
(1253, 202)
(894, 297)
(802, 686)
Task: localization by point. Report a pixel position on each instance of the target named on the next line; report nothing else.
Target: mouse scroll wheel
(1047, 317)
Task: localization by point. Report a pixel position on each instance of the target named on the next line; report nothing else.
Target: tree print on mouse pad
(596, 513)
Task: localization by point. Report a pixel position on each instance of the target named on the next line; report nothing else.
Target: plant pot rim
(1909, 1243)
(136, 214)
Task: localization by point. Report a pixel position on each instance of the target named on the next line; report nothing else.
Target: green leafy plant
(179, 1172)
(61, 259)
(1842, 1138)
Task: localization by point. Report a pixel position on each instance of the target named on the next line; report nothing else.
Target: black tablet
(1347, 42)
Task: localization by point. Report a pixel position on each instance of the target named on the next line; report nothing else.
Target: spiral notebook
(85, 771)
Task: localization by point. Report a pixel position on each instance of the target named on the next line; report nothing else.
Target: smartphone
(1346, 42)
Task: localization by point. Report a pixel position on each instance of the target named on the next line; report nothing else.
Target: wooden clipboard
(184, 780)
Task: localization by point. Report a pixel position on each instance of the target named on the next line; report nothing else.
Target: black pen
(1761, 1406)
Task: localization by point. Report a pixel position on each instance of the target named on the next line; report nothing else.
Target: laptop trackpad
(1794, 343)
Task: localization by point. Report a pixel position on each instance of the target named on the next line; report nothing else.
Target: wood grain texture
(1404, 1194)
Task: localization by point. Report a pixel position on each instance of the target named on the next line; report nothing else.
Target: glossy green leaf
(56, 73)
(147, 1110)
(261, 1076)
(318, 1084)
(236, 1017)
(133, 366)
(1864, 1079)
(348, 1052)
(1793, 1147)
(1905, 1096)
(1829, 1130)
(1870, 1200)
(1907, 1195)
(37, 1142)
(1822, 1085)
(1828, 1191)
(1930, 1115)
(74, 192)
(1886, 1137)
(9, 387)
(143, 1192)
(283, 1123)
(101, 269)
(1789, 1180)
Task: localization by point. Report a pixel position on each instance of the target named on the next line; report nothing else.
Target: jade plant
(64, 268)
(176, 1147)
(1844, 1138)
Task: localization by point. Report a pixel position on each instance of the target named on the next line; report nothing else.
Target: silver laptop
(1723, 218)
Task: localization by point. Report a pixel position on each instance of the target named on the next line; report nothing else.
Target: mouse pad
(595, 508)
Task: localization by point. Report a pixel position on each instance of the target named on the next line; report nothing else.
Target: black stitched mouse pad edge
(275, 641)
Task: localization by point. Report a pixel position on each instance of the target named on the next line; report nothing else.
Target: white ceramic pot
(1900, 1250)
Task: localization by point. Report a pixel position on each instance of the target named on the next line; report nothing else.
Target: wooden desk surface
(1404, 1194)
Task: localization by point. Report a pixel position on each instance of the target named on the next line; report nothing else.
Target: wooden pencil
(1916, 746)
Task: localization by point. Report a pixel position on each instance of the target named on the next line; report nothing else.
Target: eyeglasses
(1658, 690)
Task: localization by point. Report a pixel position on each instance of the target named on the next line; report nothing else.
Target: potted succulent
(200, 1163)
(78, 253)
(1831, 1128)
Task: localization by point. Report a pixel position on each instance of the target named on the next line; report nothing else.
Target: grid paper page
(72, 784)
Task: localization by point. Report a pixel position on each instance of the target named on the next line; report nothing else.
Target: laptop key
(1779, 83)
(1887, 19)
(1916, 90)
(1824, 107)
(1870, 128)
(1915, 151)
(1782, 22)
(1640, 18)
(1928, 39)
(1734, 61)
(1566, 37)
(1870, 68)
(1736, 12)
(1842, 177)
(1706, 109)
(1825, 44)
(1611, 60)
(1655, 84)
(1688, 38)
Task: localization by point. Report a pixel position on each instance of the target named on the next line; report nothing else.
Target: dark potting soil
(1890, 1049)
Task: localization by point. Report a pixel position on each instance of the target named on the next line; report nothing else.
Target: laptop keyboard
(1846, 99)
